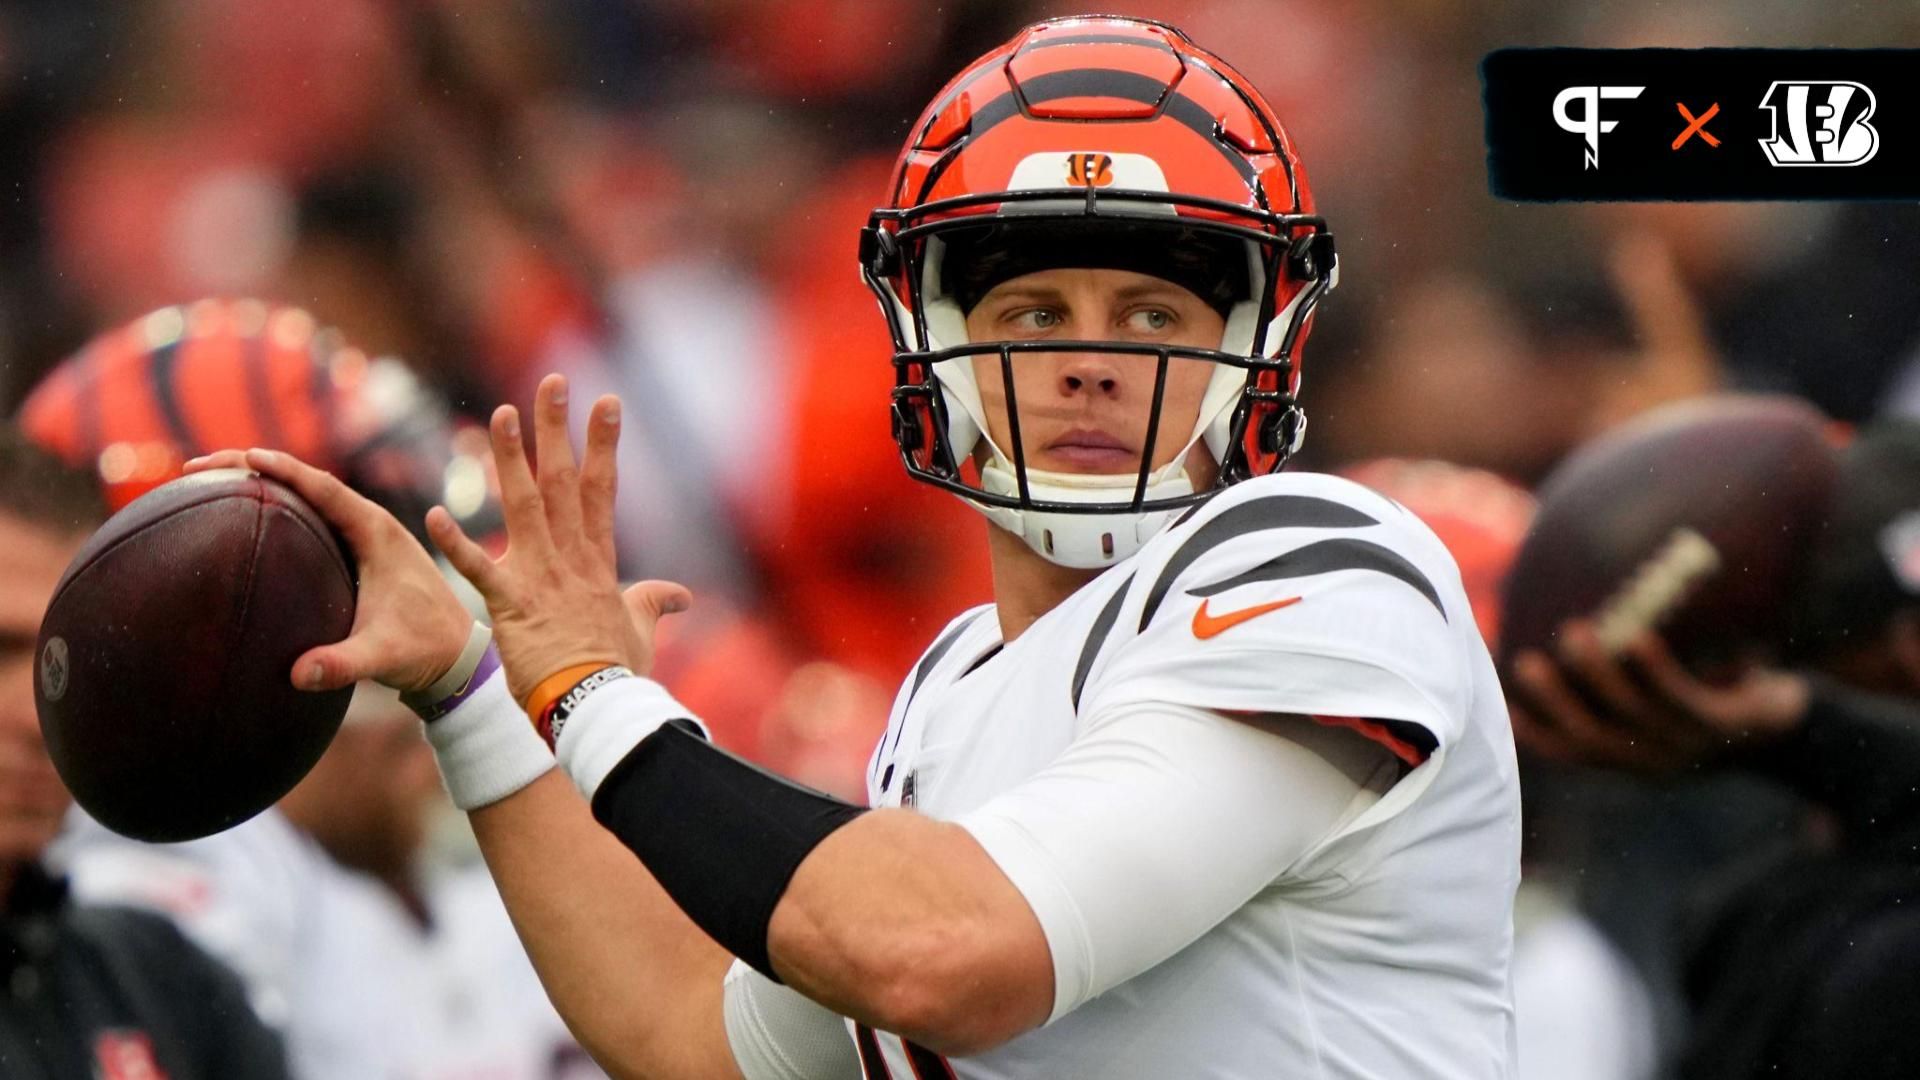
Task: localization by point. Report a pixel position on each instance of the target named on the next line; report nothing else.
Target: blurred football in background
(1695, 519)
(165, 658)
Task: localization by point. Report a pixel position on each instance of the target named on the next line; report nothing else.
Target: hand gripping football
(163, 678)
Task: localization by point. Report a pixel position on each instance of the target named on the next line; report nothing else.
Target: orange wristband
(548, 690)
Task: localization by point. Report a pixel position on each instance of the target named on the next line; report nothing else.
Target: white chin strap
(1081, 541)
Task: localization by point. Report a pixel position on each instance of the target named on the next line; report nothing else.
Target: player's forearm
(884, 916)
(904, 922)
(638, 984)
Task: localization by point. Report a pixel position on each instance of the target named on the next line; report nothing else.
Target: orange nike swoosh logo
(1206, 624)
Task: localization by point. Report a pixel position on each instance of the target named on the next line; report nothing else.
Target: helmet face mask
(995, 170)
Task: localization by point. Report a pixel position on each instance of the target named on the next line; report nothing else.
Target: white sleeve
(1162, 820)
(777, 1033)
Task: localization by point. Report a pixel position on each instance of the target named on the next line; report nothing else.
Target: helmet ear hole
(1310, 257)
(1302, 264)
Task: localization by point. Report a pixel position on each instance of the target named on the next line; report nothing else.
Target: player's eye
(1034, 320)
(1149, 320)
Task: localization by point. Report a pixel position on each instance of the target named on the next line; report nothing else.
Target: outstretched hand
(1641, 710)
(408, 626)
(555, 596)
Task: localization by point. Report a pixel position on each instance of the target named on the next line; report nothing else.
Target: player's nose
(1083, 373)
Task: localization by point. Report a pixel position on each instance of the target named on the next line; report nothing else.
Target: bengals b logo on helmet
(1089, 170)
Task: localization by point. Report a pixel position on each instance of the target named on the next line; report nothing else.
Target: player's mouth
(1088, 450)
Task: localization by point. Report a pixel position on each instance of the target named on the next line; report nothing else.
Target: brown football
(1695, 518)
(165, 657)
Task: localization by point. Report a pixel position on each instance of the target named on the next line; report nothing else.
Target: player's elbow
(961, 989)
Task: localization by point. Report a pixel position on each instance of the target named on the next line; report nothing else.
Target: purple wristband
(489, 663)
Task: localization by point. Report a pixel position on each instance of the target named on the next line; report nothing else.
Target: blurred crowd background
(662, 199)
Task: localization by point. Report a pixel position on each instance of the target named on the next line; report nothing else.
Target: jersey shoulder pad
(1297, 593)
(1291, 531)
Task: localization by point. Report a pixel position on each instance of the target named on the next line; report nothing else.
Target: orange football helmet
(1114, 140)
(139, 400)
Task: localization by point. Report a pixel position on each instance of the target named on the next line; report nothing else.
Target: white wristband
(606, 727)
(486, 747)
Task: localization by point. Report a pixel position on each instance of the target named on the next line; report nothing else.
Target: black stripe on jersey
(1254, 515)
(1326, 556)
(1413, 735)
(872, 1065)
(1096, 637)
(926, 1064)
(927, 664)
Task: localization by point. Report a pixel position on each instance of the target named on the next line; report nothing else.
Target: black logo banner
(1703, 124)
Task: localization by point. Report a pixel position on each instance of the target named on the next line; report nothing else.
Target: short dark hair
(40, 489)
(1865, 567)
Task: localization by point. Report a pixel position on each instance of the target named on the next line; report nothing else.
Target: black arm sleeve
(722, 836)
(1857, 754)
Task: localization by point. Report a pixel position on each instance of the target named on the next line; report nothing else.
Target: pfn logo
(1089, 170)
(1588, 124)
(1826, 124)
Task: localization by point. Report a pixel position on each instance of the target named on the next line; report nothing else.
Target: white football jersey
(1384, 950)
(357, 986)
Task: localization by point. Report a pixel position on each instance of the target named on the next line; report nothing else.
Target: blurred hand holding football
(1639, 709)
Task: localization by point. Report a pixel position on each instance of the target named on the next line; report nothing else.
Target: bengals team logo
(1819, 123)
(1089, 170)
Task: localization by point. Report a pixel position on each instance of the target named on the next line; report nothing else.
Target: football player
(364, 962)
(1221, 783)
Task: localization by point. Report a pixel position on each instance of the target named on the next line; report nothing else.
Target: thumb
(330, 667)
(647, 601)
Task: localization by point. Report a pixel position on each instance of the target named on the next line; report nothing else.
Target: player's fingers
(343, 663)
(219, 459)
(598, 479)
(1664, 676)
(1584, 657)
(520, 499)
(559, 475)
(357, 518)
(1703, 717)
(648, 601)
(1545, 694)
(466, 556)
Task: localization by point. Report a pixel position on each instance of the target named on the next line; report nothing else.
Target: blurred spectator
(92, 992)
(657, 197)
(372, 962)
(1804, 967)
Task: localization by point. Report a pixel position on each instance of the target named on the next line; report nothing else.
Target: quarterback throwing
(1220, 785)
